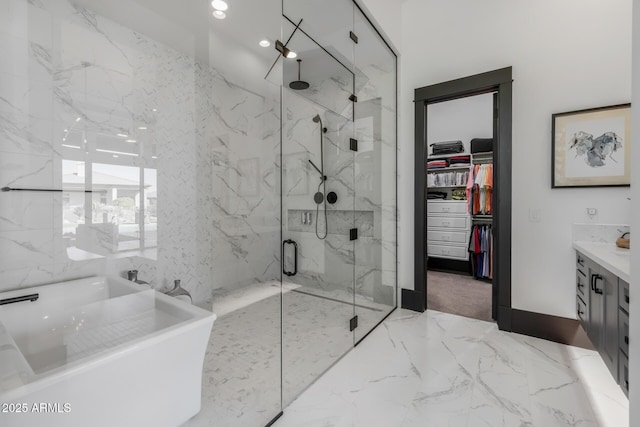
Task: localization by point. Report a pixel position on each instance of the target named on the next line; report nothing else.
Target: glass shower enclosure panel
(375, 164)
(318, 186)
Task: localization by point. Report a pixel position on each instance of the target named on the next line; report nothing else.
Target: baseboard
(551, 328)
(412, 300)
(504, 318)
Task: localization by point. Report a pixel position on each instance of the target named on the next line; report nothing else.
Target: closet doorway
(459, 209)
(433, 223)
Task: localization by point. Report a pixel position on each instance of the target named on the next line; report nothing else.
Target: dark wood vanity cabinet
(608, 284)
(623, 335)
(603, 311)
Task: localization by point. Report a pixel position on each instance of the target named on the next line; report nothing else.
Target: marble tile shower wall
(324, 264)
(375, 183)
(213, 144)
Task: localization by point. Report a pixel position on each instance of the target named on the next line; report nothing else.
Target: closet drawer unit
(448, 236)
(623, 295)
(581, 284)
(623, 372)
(446, 207)
(582, 312)
(623, 331)
(458, 223)
(452, 252)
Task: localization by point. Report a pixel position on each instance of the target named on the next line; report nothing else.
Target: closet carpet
(458, 294)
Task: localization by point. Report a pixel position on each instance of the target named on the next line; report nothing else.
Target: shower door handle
(295, 258)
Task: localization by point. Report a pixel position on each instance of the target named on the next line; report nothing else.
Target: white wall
(634, 315)
(461, 119)
(386, 17)
(558, 65)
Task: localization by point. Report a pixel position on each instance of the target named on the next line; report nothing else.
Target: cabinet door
(608, 283)
(596, 305)
(583, 313)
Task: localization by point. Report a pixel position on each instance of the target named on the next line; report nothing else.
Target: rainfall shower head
(299, 84)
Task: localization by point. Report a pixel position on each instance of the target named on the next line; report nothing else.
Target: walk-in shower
(173, 152)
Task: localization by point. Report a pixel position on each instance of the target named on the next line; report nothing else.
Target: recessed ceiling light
(265, 43)
(122, 135)
(218, 14)
(220, 5)
(291, 54)
(142, 128)
(154, 110)
(131, 140)
(115, 156)
(78, 119)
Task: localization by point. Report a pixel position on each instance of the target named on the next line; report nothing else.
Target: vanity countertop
(608, 255)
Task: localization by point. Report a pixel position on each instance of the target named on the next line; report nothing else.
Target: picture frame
(591, 148)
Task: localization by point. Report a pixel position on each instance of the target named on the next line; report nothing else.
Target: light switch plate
(535, 215)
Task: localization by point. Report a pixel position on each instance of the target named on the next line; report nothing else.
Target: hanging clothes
(481, 251)
(481, 189)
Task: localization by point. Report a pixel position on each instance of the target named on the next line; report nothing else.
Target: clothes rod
(45, 189)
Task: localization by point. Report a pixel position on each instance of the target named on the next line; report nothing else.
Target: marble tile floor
(438, 369)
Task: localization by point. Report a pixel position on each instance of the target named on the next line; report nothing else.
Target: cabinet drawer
(583, 313)
(623, 295)
(459, 223)
(623, 373)
(448, 236)
(446, 207)
(581, 284)
(581, 263)
(453, 252)
(623, 330)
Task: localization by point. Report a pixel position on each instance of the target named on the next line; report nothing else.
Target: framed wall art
(591, 148)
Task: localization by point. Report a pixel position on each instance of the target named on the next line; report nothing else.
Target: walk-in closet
(459, 181)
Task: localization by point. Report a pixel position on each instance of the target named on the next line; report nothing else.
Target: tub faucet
(132, 275)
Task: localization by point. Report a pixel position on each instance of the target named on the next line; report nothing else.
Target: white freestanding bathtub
(99, 352)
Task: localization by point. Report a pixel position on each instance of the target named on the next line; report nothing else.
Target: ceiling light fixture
(291, 54)
(122, 135)
(142, 128)
(218, 14)
(265, 43)
(131, 140)
(220, 5)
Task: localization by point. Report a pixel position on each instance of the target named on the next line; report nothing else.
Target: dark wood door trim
(499, 81)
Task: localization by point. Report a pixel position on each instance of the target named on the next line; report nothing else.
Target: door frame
(499, 81)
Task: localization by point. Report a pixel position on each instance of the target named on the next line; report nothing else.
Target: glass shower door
(375, 164)
(317, 212)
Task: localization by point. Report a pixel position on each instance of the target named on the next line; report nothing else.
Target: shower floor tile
(241, 376)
